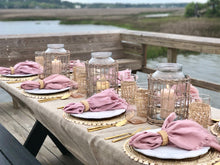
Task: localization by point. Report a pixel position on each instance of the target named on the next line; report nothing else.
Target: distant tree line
(11, 4)
(210, 9)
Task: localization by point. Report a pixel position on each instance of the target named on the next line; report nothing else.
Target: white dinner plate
(99, 115)
(46, 91)
(171, 152)
(18, 75)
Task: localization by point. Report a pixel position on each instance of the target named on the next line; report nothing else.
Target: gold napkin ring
(86, 105)
(41, 82)
(164, 137)
(12, 70)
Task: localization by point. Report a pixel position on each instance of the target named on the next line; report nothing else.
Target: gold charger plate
(215, 130)
(215, 115)
(48, 96)
(88, 122)
(211, 157)
(17, 78)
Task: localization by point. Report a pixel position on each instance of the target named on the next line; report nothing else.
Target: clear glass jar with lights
(56, 60)
(101, 73)
(168, 91)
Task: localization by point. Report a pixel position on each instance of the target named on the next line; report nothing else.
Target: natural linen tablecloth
(89, 147)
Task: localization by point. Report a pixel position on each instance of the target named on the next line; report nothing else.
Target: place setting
(102, 109)
(51, 79)
(50, 88)
(22, 71)
(177, 142)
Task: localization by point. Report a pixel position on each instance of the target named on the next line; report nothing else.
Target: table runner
(89, 147)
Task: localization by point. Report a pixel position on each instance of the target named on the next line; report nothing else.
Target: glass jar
(56, 60)
(102, 58)
(102, 73)
(39, 57)
(169, 71)
(169, 91)
(55, 48)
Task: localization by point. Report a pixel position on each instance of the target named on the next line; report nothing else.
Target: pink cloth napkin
(26, 67)
(185, 134)
(179, 89)
(54, 81)
(125, 75)
(103, 101)
(194, 92)
(74, 63)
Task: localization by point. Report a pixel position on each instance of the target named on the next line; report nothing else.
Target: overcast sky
(136, 1)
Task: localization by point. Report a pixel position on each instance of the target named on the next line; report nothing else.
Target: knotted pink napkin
(26, 67)
(103, 101)
(185, 134)
(54, 81)
(75, 63)
(179, 90)
(125, 75)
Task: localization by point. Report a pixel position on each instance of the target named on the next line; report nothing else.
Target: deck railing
(136, 42)
(124, 44)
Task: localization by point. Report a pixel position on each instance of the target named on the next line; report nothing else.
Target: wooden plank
(21, 133)
(144, 54)
(133, 48)
(3, 159)
(192, 43)
(22, 47)
(171, 55)
(41, 41)
(133, 64)
(15, 153)
(206, 85)
(196, 82)
(20, 125)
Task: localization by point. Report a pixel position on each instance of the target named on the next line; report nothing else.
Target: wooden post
(144, 54)
(171, 55)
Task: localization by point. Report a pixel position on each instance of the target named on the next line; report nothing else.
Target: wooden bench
(12, 152)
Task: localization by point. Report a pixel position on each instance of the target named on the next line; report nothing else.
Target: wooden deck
(19, 123)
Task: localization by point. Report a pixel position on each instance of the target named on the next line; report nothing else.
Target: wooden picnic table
(89, 147)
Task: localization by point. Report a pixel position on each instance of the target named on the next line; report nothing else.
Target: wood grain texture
(13, 151)
(171, 55)
(184, 42)
(19, 123)
(22, 47)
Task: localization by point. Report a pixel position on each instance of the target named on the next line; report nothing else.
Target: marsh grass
(206, 27)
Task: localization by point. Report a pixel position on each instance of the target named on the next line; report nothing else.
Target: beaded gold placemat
(215, 130)
(17, 78)
(44, 96)
(209, 158)
(93, 122)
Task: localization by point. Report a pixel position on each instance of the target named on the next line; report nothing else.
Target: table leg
(37, 136)
(58, 144)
